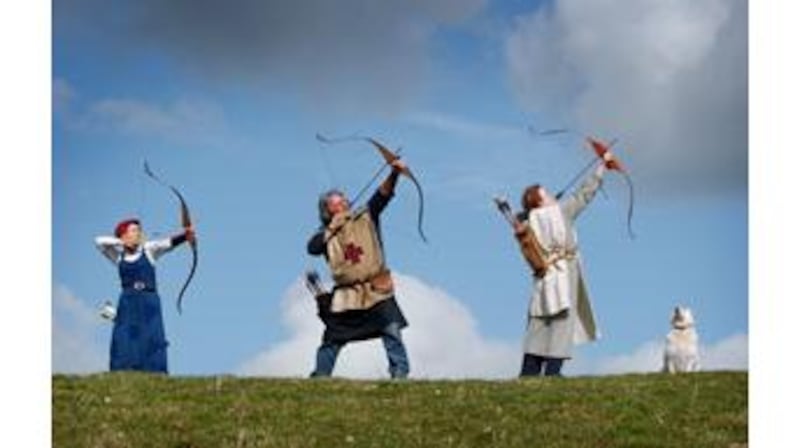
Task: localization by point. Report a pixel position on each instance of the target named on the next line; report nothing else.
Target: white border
(25, 106)
(774, 141)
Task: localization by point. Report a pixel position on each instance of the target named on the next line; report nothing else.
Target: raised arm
(384, 194)
(578, 201)
(109, 246)
(157, 248)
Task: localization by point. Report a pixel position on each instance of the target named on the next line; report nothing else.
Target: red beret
(123, 226)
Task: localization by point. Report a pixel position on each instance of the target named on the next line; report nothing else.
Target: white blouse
(114, 250)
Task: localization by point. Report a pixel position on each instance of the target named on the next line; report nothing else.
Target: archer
(559, 313)
(362, 303)
(137, 340)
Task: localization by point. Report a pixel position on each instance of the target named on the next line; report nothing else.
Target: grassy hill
(138, 410)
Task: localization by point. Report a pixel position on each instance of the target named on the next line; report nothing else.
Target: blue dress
(138, 341)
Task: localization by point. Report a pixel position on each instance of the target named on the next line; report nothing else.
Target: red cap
(122, 227)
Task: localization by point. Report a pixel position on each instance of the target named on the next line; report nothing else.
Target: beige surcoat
(357, 265)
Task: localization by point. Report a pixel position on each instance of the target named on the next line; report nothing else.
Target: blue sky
(224, 103)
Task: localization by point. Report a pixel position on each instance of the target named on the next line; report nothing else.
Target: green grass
(655, 410)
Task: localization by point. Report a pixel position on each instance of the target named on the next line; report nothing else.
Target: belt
(369, 280)
(559, 253)
(139, 287)
(556, 254)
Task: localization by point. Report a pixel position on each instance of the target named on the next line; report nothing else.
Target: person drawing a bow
(559, 313)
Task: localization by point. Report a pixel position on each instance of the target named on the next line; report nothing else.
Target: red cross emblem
(352, 253)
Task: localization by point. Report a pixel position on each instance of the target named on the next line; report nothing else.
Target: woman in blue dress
(138, 341)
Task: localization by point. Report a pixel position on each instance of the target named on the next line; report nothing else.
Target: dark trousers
(392, 342)
(532, 365)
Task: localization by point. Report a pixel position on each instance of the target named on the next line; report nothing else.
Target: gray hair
(322, 205)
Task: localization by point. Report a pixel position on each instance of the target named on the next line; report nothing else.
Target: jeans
(392, 342)
(532, 365)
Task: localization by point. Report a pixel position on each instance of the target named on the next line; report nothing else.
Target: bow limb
(421, 209)
(385, 152)
(600, 149)
(186, 222)
(629, 181)
(390, 157)
(189, 278)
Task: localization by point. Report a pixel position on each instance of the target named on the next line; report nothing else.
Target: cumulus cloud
(75, 335)
(442, 340)
(357, 53)
(729, 353)
(668, 78)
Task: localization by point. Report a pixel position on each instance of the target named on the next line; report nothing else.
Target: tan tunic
(357, 265)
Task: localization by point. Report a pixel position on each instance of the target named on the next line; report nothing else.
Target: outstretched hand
(338, 221)
(611, 161)
(398, 165)
(190, 234)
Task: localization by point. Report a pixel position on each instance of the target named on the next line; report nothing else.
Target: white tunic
(551, 293)
(560, 313)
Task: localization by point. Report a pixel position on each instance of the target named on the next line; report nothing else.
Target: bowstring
(327, 165)
(372, 179)
(356, 137)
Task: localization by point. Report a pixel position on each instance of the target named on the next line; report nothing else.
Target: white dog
(681, 353)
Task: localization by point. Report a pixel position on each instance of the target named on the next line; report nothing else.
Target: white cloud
(729, 353)
(667, 77)
(442, 340)
(183, 120)
(76, 331)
